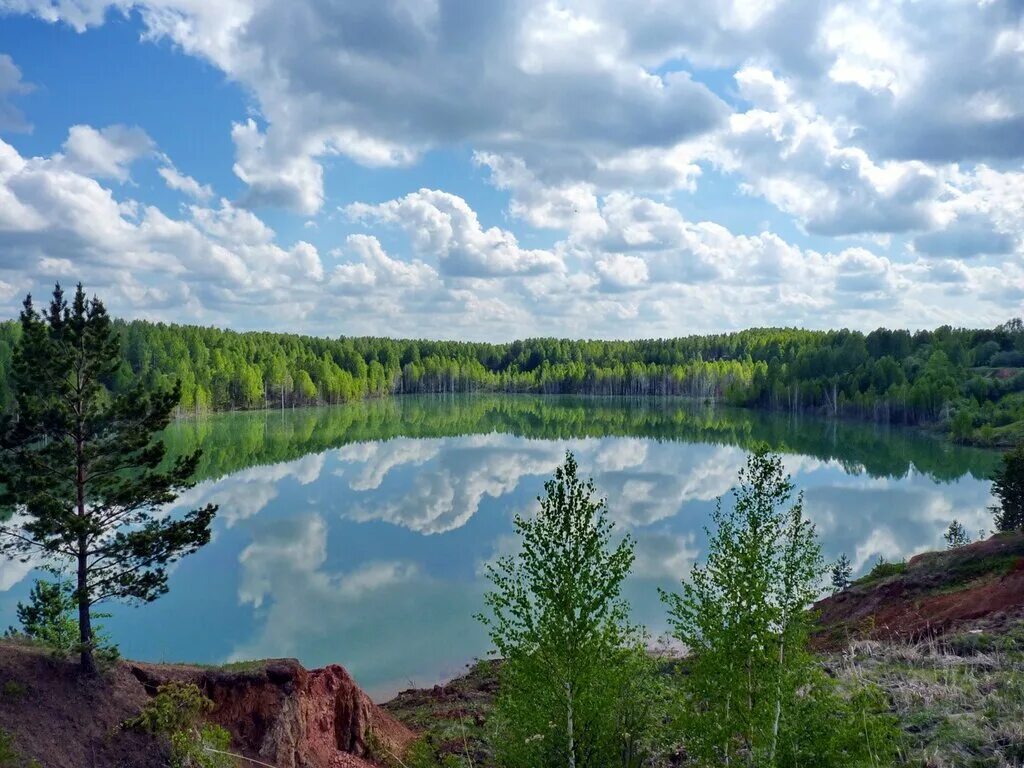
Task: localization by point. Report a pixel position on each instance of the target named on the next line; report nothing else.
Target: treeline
(969, 380)
(233, 442)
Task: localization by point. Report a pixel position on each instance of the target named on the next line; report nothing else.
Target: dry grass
(960, 701)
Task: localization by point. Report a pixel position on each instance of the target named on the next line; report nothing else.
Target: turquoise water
(358, 534)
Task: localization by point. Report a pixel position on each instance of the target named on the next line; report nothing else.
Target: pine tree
(841, 572)
(956, 536)
(1008, 487)
(81, 469)
(46, 617)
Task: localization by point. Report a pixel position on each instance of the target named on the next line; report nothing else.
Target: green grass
(882, 570)
(963, 572)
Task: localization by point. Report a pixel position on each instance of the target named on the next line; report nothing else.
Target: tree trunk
(88, 660)
(572, 744)
(728, 723)
(778, 700)
(85, 639)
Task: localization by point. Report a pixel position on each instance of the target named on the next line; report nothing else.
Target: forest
(966, 382)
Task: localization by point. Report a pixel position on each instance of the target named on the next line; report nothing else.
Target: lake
(358, 534)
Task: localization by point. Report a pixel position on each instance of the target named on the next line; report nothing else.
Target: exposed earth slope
(276, 711)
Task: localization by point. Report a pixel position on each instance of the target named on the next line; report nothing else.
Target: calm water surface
(358, 534)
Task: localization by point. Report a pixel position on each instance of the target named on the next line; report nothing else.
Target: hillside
(942, 636)
(276, 712)
(979, 588)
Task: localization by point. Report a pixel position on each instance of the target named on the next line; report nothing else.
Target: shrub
(176, 714)
(49, 619)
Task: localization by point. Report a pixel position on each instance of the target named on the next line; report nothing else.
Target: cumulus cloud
(900, 167)
(373, 269)
(804, 165)
(443, 225)
(378, 82)
(106, 153)
(57, 218)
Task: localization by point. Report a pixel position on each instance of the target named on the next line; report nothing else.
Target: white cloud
(444, 226)
(55, 218)
(276, 176)
(378, 83)
(185, 184)
(858, 122)
(804, 165)
(374, 269)
(106, 153)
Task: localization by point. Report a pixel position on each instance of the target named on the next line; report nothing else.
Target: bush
(49, 619)
(956, 536)
(176, 714)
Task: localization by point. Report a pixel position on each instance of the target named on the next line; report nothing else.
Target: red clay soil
(276, 711)
(288, 716)
(939, 592)
(63, 721)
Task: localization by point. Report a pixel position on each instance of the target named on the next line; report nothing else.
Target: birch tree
(572, 662)
(754, 695)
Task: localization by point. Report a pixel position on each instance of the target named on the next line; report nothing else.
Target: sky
(510, 168)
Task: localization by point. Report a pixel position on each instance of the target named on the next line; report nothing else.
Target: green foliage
(81, 466)
(883, 569)
(575, 688)
(1008, 488)
(887, 375)
(176, 714)
(841, 572)
(956, 536)
(753, 694)
(9, 756)
(49, 618)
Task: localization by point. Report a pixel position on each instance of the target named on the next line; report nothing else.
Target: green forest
(968, 383)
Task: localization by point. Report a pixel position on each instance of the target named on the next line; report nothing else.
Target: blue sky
(452, 169)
